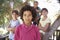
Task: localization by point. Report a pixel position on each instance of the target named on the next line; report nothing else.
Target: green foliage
(18, 4)
(5, 8)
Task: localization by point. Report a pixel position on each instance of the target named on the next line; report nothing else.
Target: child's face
(35, 4)
(14, 15)
(27, 16)
(44, 13)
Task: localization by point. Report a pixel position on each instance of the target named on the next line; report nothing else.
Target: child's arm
(46, 27)
(11, 29)
(38, 10)
(40, 27)
(16, 37)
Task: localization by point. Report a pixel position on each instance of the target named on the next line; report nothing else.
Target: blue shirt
(13, 24)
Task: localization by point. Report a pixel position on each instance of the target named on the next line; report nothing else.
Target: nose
(27, 17)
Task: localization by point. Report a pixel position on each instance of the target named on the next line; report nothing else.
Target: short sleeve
(9, 23)
(48, 20)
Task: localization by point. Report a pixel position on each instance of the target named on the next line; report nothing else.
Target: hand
(9, 29)
(37, 10)
(13, 30)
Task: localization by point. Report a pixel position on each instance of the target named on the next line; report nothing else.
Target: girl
(44, 21)
(13, 24)
(27, 31)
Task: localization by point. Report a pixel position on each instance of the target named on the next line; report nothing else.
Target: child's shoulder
(36, 28)
(19, 26)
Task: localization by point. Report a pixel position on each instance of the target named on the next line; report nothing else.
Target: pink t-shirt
(27, 33)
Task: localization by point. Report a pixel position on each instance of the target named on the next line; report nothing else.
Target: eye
(24, 14)
(30, 15)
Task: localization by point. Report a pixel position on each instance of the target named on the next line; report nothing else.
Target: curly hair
(28, 8)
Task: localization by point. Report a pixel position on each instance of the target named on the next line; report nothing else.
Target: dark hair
(15, 11)
(44, 9)
(28, 8)
(35, 1)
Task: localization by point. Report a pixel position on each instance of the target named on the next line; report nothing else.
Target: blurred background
(6, 6)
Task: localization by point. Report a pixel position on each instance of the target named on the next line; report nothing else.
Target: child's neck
(44, 18)
(14, 19)
(28, 24)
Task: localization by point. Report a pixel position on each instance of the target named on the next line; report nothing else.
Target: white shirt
(43, 23)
